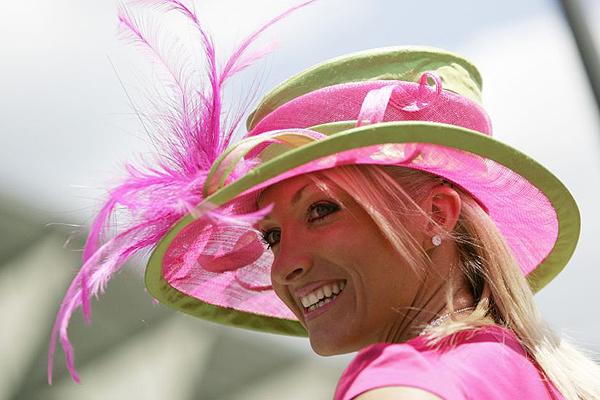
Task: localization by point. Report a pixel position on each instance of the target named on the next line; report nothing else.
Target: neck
(434, 312)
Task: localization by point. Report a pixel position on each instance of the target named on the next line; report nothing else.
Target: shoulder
(396, 371)
(397, 393)
(418, 369)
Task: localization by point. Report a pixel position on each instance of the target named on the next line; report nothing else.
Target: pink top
(487, 363)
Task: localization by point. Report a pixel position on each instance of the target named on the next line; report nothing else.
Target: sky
(66, 127)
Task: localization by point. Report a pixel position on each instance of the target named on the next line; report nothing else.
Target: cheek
(342, 240)
(280, 292)
(285, 297)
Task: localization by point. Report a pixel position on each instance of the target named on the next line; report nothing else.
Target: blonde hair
(390, 194)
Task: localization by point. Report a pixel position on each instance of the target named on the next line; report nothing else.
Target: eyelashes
(271, 237)
(321, 210)
(315, 212)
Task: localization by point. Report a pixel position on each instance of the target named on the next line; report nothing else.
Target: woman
(466, 280)
(367, 207)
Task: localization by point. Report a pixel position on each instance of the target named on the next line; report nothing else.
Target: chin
(325, 351)
(329, 345)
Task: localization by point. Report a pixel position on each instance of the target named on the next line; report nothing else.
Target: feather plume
(153, 198)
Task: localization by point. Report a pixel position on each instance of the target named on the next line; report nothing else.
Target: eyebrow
(295, 199)
(298, 195)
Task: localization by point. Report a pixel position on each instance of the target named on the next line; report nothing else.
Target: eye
(271, 237)
(315, 212)
(321, 210)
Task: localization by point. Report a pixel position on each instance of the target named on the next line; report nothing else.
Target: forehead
(284, 190)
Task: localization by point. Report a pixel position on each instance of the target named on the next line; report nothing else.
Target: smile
(321, 296)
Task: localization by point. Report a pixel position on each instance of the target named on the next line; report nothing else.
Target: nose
(290, 265)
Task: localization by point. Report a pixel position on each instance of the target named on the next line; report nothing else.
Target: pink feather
(237, 62)
(153, 198)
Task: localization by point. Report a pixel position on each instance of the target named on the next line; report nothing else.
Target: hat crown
(457, 74)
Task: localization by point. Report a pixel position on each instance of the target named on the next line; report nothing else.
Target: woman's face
(333, 267)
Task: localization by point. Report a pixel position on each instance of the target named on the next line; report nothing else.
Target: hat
(412, 107)
(371, 107)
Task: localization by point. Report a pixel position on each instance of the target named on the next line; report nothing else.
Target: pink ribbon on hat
(377, 100)
(246, 250)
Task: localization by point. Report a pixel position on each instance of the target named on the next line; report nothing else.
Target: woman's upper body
(487, 363)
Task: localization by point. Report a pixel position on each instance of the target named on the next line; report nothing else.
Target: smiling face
(325, 243)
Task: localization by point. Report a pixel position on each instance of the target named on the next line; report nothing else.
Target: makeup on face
(332, 265)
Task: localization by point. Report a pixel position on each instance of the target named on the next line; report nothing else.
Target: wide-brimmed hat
(407, 106)
(195, 206)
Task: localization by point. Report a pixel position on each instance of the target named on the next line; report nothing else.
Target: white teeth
(321, 303)
(305, 301)
(322, 295)
(335, 288)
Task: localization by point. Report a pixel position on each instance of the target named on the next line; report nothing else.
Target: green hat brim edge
(351, 137)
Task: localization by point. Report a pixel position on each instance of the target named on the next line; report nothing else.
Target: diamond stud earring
(436, 240)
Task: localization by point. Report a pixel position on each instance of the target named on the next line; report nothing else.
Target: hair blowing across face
(502, 295)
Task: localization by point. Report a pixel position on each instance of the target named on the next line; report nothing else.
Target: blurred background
(66, 130)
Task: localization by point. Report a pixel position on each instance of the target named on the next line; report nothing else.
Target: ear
(443, 205)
